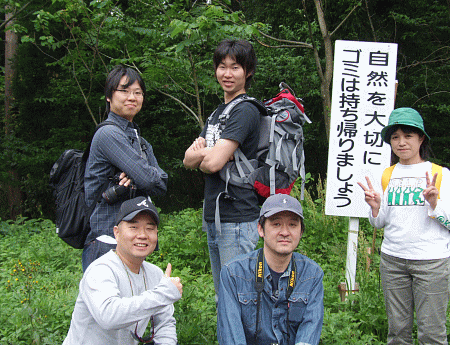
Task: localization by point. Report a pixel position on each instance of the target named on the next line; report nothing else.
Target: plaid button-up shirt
(115, 149)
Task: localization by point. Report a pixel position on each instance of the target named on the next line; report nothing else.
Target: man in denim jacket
(289, 308)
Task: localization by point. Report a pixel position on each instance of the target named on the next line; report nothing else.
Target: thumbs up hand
(175, 280)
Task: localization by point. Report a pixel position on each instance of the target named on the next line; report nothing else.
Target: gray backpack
(280, 157)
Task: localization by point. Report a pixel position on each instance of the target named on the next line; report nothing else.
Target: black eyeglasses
(147, 339)
(127, 93)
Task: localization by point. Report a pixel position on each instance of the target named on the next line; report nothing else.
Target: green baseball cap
(403, 116)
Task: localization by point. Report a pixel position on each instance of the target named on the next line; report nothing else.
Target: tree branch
(345, 19)
(184, 106)
(429, 95)
(84, 96)
(315, 50)
(173, 81)
(14, 15)
(292, 44)
(370, 20)
(328, 71)
(427, 62)
(197, 93)
(418, 63)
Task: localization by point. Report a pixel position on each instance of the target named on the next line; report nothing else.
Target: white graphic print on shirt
(212, 135)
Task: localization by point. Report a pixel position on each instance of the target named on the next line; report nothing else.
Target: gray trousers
(420, 285)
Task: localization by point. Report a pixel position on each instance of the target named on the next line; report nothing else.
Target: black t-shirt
(275, 279)
(242, 126)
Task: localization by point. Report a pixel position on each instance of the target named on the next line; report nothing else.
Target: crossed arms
(209, 159)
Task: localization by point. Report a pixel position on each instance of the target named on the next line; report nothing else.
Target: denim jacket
(237, 304)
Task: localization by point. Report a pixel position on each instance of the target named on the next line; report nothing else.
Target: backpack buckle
(229, 197)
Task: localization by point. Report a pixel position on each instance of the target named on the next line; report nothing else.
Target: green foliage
(182, 242)
(67, 47)
(323, 234)
(342, 328)
(196, 311)
(39, 277)
(360, 319)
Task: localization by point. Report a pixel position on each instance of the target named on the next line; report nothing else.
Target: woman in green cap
(414, 211)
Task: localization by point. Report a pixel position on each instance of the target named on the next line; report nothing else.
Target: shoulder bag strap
(385, 178)
(437, 169)
(88, 149)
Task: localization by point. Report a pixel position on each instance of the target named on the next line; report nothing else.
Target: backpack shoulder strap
(209, 118)
(385, 178)
(85, 158)
(104, 123)
(227, 111)
(437, 169)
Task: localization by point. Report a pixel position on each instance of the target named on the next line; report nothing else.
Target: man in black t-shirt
(234, 65)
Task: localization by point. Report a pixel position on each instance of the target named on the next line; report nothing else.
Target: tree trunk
(325, 86)
(11, 44)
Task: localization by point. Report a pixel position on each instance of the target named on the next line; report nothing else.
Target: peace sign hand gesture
(431, 193)
(372, 197)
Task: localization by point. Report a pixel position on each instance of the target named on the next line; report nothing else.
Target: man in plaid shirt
(118, 150)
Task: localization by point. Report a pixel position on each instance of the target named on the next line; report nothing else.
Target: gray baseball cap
(132, 207)
(279, 203)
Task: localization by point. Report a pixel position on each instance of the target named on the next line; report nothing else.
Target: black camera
(117, 192)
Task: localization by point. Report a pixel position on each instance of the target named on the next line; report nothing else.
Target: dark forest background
(56, 55)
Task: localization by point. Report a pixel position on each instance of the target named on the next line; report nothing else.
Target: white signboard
(362, 100)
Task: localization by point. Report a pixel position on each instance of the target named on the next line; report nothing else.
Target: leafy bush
(183, 243)
(40, 275)
(360, 319)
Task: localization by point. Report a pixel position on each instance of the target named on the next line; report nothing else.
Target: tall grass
(39, 277)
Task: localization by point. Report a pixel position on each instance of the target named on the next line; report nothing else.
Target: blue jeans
(233, 240)
(93, 250)
(420, 285)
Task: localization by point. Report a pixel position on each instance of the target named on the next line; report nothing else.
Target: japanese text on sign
(363, 97)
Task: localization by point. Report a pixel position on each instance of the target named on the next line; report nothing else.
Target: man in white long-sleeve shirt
(120, 292)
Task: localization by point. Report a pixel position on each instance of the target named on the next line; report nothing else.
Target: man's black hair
(113, 79)
(242, 52)
(425, 147)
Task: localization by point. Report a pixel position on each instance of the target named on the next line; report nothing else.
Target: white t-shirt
(412, 230)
